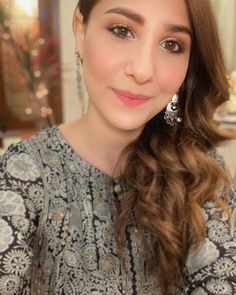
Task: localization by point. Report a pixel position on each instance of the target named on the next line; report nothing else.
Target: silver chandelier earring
(171, 113)
(79, 62)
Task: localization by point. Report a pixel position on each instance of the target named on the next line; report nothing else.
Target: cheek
(99, 58)
(172, 75)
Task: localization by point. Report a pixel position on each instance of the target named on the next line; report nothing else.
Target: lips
(131, 99)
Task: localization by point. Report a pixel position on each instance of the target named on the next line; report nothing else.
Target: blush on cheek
(99, 57)
(171, 79)
(95, 59)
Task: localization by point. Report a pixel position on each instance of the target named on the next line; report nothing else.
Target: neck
(98, 143)
(107, 141)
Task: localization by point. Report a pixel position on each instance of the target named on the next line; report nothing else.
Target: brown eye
(121, 31)
(172, 46)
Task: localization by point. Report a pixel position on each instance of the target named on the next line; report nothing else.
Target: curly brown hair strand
(170, 172)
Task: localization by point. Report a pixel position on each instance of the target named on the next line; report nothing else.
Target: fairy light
(42, 91)
(41, 41)
(39, 94)
(49, 111)
(39, 106)
(28, 111)
(45, 91)
(6, 36)
(44, 111)
(35, 52)
(37, 74)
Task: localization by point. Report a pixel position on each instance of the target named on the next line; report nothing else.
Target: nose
(141, 64)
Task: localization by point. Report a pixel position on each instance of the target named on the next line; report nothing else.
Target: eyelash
(127, 29)
(122, 27)
(180, 46)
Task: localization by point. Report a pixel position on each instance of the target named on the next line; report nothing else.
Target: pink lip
(131, 99)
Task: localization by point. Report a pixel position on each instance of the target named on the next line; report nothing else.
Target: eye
(172, 46)
(121, 31)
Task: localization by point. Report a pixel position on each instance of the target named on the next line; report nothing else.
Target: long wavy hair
(169, 171)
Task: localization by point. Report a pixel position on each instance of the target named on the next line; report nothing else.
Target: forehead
(150, 11)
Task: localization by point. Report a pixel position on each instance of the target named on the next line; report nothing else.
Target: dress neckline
(93, 168)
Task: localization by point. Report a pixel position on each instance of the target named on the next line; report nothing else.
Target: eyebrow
(128, 13)
(140, 20)
(179, 29)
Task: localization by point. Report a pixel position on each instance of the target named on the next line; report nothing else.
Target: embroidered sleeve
(21, 194)
(211, 270)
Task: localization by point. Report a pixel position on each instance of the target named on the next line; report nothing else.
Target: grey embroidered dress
(56, 230)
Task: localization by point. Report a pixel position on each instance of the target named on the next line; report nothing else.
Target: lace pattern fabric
(57, 236)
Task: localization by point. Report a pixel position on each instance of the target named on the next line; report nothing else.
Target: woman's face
(135, 58)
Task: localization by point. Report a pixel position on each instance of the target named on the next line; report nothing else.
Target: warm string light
(6, 36)
(45, 111)
(28, 111)
(35, 52)
(41, 41)
(37, 74)
(38, 108)
(41, 95)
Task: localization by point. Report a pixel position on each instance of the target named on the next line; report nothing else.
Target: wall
(226, 17)
(71, 101)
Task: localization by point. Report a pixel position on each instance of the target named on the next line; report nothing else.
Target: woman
(132, 198)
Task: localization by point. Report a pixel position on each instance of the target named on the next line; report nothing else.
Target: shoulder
(23, 170)
(22, 160)
(21, 186)
(213, 264)
(212, 267)
(18, 163)
(214, 216)
(22, 201)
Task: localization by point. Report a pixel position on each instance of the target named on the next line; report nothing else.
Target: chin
(129, 126)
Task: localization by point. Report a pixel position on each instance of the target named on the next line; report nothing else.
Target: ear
(79, 32)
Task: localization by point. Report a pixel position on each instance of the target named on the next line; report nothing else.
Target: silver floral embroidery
(16, 262)
(102, 209)
(199, 258)
(218, 231)
(6, 235)
(22, 167)
(70, 258)
(109, 265)
(90, 257)
(11, 203)
(76, 252)
(9, 285)
(219, 287)
(21, 223)
(225, 267)
(198, 291)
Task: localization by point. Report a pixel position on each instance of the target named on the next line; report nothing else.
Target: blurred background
(40, 84)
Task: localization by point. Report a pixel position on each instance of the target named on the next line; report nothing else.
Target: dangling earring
(171, 113)
(79, 61)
